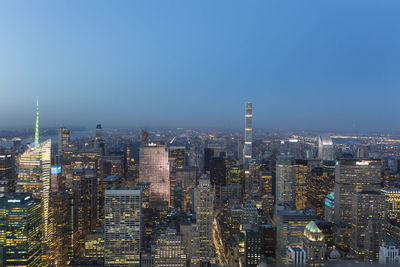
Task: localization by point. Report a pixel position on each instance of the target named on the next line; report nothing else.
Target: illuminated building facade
(285, 182)
(301, 183)
(352, 176)
(21, 230)
(248, 135)
(314, 244)
(34, 179)
(321, 181)
(177, 155)
(170, 250)
(290, 230)
(253, 242)
(392, 199)
(94, 244)
(122, 226)
(204, 207)
(367, 222)
(325, 148)
(154, 169)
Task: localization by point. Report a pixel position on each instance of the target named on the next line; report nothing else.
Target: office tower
(295, 256)
(94, 244)
(327, 229)
(235, 174)
(63, 139)
(285, 182)
(170, 250)
(145, 187)
(82, 212)
(106, 183)
(34, 179)
(352, 176)
(99, 143)
(177, 154)
(204, 207)
(389, 253)
(6, 166)
(325, 148)
(7, 180)
(249, 214)
(248, 136)
(253, 247)
(301, 183)
(269, 239)
(154, 169)
(187, 177)
(218, 174)
(367, 220)
(320, 182)
(314, 244)
(20, 230)
(289, 230)
(392, 199)
(178, 197)
(59, 206)
(390, 179)
(122, 226)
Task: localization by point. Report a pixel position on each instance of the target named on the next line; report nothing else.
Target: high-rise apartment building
(170, 250)
(122, 226)
(325, 148)
(352, 176)
(154, 169)
(248, 136)
(204, 207)
(21, 230)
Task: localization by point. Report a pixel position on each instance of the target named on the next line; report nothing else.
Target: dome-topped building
(313, 243)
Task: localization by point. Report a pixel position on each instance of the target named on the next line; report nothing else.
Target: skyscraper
(20, 230)
(366, 224)
(34, 178)
(154, 169)
(289, 230)
(170, 250)
(285, 183)
(325, 148)
(248, 136)
(122, 226)
(352, 176)
(204, 207)
(63, 139)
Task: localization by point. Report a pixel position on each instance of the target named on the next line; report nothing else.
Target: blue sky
(329, 65)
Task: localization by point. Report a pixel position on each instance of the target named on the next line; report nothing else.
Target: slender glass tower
(248, 136)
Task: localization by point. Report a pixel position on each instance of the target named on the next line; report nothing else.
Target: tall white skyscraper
(248, 136)
(122, 226)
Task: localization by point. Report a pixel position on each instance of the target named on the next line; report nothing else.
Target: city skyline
(303, 66)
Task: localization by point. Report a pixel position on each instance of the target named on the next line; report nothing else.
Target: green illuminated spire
(37, 122)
